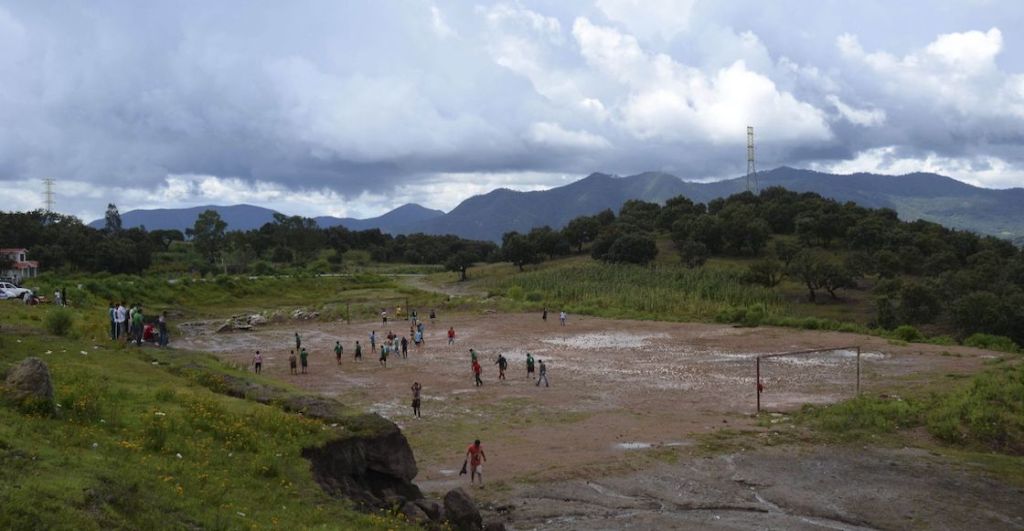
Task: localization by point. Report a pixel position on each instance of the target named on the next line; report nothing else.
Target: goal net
(788, 380)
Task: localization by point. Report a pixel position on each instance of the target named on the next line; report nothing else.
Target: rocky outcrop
(461, 512)
(375, 471)
(28, 383)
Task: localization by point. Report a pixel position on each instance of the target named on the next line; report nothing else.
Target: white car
(10, 291)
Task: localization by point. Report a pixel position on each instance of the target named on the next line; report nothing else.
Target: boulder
(414, 513)
(433, 508)
(29, 384)
(257, 319)
(461, 511)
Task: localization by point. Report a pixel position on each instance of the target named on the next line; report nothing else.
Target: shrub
(59, 321)
(515, 293)
(534, 296)
(907, 333)
(991, 342)
(865, 414)
(988, 413)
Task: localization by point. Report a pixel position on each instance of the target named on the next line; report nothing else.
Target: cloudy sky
(353, 108)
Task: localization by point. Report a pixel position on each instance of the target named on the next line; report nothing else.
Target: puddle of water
(615, 340)
(633, 446)
(447, 472)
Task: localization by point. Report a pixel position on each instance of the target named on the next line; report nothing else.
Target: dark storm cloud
(389, 100)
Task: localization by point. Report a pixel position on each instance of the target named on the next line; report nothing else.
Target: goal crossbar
(757, 365)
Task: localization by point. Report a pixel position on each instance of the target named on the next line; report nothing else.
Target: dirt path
(624, 395)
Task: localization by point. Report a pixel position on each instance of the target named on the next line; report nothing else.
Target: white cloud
(956, 71)
(982, 170)
(861, 117)
(554, 135)
(437, 22)
(671, 101)
(650, 18)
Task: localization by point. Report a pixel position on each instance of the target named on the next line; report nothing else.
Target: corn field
(620, 290)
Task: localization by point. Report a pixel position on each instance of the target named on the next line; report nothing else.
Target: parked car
(11, 291)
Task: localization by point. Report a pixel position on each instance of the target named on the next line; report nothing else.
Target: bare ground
(608, 444)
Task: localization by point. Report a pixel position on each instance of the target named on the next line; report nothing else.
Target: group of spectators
(130, 324)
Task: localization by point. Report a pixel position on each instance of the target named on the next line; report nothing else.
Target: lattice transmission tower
(751, 168)
(48, 193)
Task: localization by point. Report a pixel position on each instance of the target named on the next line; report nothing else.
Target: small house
(20, 267)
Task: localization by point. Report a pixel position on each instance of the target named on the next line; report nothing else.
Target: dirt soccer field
(626, 401)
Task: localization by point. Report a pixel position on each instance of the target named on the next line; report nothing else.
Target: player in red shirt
(476, 373)
(451, 335)
(475, 453)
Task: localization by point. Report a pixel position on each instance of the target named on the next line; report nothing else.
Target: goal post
(759, 384)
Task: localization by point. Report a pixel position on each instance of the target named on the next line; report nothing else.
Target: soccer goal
(788, 379)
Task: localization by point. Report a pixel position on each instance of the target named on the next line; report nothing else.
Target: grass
(136, 446)
(627, 291)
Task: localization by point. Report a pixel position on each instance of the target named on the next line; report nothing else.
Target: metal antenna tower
(48, 193)
(751, 169)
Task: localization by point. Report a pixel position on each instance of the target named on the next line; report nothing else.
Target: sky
(354, 108)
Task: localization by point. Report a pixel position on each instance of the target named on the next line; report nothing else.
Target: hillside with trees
(917, 273)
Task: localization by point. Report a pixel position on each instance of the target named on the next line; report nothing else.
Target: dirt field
(625, 396)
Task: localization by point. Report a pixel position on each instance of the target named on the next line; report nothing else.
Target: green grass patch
(136, 446)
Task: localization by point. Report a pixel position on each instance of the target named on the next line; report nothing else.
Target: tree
(581, 230)
(978, 311)
(519, 250)
(461, 261)
(164, 238)
(632, 249)
(548, 242)
(784, 250)
(819, 271)
(208, 235)
(693, 254)
(766, 272)
(918, 304)
(112, 219)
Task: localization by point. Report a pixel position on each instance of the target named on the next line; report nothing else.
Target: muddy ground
(609, 444)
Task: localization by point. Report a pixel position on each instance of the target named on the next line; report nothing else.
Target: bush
(865, 414)
(907, 333)
(534, 296)
(991, 342)
(515, 293)
(988, 413)
(59, 321)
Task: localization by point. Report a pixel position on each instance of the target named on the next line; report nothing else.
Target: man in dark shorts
(529, 365)
(476, 373)
(416, 389)
(359, 352)
(257, 362)
(433, 315)
(292, 362)
(373, 340)
(405, 348)
(502, 364)
(298, 341)
(304, 360)
(544, 316)
(543, 374)
(451, 335)
(383, 356)
(476, 456)
(338, 351)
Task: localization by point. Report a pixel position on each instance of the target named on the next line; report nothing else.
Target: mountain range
(486, 217)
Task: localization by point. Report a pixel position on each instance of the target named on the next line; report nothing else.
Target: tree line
(919, 272)
(64, 243)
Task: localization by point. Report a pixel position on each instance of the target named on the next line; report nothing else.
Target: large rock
(29, 384)
(375, 470)
(257, 319)
(461, 512)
